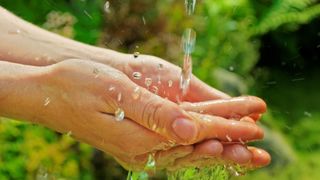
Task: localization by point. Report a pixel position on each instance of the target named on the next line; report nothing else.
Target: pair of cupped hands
(202, 127)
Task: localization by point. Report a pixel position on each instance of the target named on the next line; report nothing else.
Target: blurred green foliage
(268, 48)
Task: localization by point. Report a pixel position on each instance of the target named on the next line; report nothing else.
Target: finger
(229, 108)
(200, 91)
(250, 157)
(131, 138)
(149, 110)
(232, 154)
(226, 130)
(260, 157)
(247, 119)
(236, 153)
(210, 149)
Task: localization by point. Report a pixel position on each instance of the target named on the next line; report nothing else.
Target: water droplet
(112, 88)
(96, 72)
(233, 171)
(148, 82)
(136, 54)
(228, 138)
(306, 113)
(154, 127)
(17, 31)
(241, 141)
(231, 68)
(144, 20)
(236, 170)
(106, 7)
(159, 79)
(119, 114)
(205, 118)
(87, 14)
(136, 93)
(170, 82)
(188, 40)
(47, 101)
(190, 6)
(151, 163)
(160, 66)
(136, 75)
(69, 133)
(119, 97)
(155, 89)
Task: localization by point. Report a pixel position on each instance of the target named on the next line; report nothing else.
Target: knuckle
(151, 114)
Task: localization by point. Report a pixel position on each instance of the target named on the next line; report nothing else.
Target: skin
(82, 101)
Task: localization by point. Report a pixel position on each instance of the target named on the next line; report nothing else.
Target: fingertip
(260, 157)
(185, 129)
(237, 153)
(258, 105)
(255, 117)
(210, 148)
(247, 119)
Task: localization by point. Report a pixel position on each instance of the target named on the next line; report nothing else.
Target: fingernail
(185, 129)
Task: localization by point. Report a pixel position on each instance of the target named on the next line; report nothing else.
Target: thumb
(152, 111)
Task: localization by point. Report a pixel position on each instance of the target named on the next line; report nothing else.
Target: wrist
(20, 92)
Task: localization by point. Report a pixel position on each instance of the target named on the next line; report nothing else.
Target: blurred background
(268, 48)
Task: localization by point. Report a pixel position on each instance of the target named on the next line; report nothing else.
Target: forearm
(24, 43)
(20, 95)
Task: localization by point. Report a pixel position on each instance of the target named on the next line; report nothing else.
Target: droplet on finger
(119, 114)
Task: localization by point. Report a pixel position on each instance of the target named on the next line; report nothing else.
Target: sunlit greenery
(268, 48)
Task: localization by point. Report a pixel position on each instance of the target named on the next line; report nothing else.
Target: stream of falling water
(188, 41)
(218, 171)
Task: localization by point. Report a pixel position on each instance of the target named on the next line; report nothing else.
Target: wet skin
(80, 101)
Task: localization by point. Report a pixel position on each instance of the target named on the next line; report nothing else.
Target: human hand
(96, 72)
(58, 102)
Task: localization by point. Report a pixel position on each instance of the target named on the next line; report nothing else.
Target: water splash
(69, 133)
(119, 114)
(132, 175)
(151, 163)
(219, 172)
